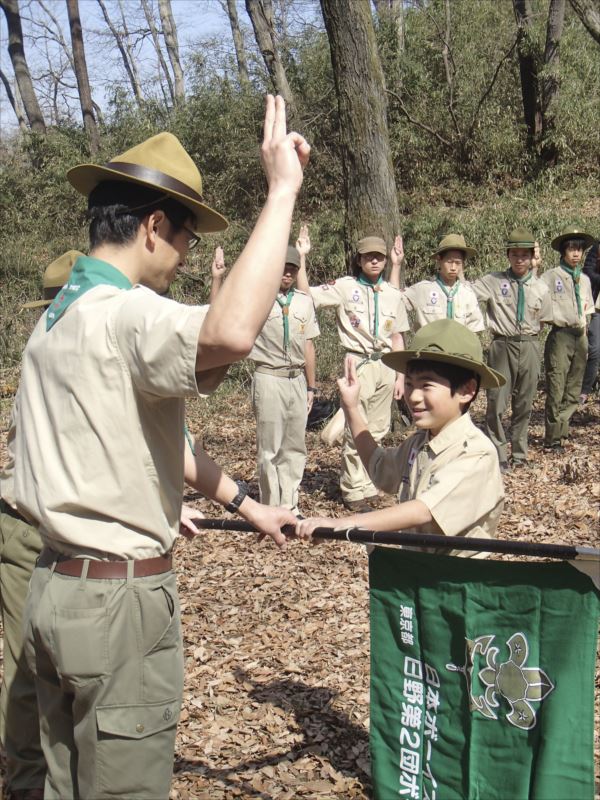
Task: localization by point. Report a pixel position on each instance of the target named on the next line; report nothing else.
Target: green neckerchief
(285, 312)
(87, 272)
(575, 275)
(364, 281)
(450, 294)
(521, 292)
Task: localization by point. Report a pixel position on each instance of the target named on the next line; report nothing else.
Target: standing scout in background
(99, 465)
(370, 320)
(446, 296)
(592, 269)
(446, 475)
(566, 349)
(20, 546)
(283, 387)
(516, 305)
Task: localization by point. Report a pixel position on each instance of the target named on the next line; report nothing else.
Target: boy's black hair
(116, 209)
(456, 376)
(578, 244)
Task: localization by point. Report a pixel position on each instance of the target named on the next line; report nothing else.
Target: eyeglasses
(194, 240)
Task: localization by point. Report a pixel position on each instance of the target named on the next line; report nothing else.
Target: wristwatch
(237, 501)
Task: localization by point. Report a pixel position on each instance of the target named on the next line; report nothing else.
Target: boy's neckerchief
(364, 281)
(87, 273)
(285, 311)
(575, 275)
(450, 294)
(521, 292)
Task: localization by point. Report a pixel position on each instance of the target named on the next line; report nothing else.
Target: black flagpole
(518, 548)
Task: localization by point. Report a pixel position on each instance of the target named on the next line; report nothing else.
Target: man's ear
(151, 226)
(467, 391)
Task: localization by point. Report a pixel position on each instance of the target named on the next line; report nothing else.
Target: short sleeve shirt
(499, 295)
(355, 313)
(99, 429)
(269, 347)
(7, 473)
(564, 302)
(456, 474)
(429, 302)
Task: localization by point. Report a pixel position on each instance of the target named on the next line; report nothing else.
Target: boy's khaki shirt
(268, 349)
(100, 420)
(455, 474)
(429, 302)
(500, 295)
(355, 311)
(564, 303)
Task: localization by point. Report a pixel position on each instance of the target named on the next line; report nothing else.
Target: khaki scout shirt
(429, 302)
(455, 474)
(564, 302)
(100, 419)
(268, 349)
(500, 295)
(355, 312)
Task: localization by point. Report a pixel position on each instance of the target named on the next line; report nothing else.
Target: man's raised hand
(284, 155)
(303, 241)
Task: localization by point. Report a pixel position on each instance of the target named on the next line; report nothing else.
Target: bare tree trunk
(551, 83)
(529, 72)
(11, 99)
(170, 34)
(161, 60)
(238, 41)
(261, 16)
(392, 11)
(16, 51)
(129, 68)
(369, 186)
(588, 12)
(81, 73)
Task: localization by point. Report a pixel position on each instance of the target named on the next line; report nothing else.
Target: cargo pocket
(81, 642)
(135, 749)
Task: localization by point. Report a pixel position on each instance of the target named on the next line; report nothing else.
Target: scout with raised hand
(516, 305)
(446, 476)
(370, 320)
(99, 465)
(565, 354)
(446, 296)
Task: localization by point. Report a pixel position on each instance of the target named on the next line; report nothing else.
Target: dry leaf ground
(276, 700)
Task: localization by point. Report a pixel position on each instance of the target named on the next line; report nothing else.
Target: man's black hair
(116, 209)
(577, 244)
(456, 376)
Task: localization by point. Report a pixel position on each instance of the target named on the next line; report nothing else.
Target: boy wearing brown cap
(516, 304)
(446, 475)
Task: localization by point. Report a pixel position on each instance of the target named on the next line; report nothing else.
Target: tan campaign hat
(292, 256)
(56, 275)
(454, 241)
(572, 233)
(450, 342)
(520, 237)
(161, 163)
(371, 244)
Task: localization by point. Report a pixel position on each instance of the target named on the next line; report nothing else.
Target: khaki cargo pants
(565, 357)
(108, 662)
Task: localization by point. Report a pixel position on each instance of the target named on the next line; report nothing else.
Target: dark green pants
(565, 357)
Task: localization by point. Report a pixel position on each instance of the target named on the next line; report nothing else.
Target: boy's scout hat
(371, 244)
(451, 343)
(454, 241)
(56, 275)
(159, 163)
(572, 233)
(292, 256)
(520, 237)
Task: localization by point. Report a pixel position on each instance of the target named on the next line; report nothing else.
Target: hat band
(153, 176)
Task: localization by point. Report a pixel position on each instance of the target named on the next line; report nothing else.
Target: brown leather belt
(522, 337)
(108, 570)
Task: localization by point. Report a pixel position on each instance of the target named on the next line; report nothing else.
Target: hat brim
(85, 177)
(589, 240)
(36, 304)
(469, 252)
(398, 360)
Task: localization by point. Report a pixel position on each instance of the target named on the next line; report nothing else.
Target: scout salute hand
(349, 386)
(303, 242)
(396, 257)
(217, 269)
(284, 156)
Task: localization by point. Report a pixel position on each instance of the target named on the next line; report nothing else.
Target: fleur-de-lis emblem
(519, 685)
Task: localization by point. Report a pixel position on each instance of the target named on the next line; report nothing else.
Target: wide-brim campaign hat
(371, 244)
(520, 237)
(450, 342)
(292, 256)
(573, 233)
(454, 241)
(56, 275)
(160, 163)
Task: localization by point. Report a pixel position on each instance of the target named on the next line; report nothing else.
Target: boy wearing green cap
(516, 304)
(446, 475)
(565, 354)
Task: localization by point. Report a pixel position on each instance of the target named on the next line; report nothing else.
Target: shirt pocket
(387, 320)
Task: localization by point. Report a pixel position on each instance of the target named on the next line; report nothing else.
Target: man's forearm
(401, 516)
(310, 370)
(364, 442)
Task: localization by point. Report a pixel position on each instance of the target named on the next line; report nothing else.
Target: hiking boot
(358, 506)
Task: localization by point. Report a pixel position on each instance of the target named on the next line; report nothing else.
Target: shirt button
(139, 727)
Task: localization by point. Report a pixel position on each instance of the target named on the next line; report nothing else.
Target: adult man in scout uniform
(20, 545)
(516, 305)
(446, 296)
(565, 354)
(99, 464)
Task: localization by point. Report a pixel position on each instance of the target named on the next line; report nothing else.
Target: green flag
(482, 678)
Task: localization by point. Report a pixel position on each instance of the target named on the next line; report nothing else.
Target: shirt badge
(354, 321)
(388, 325)
(505, 288)
(559, 286)
(355, 296)
(325, 287)
(433, 298)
